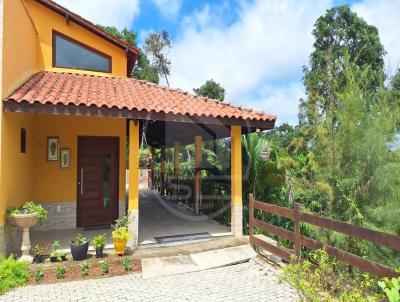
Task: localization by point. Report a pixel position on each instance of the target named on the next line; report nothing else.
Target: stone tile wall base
(237, 220)
(133, 227)
(61, 215)
(10, 240)
(122, 208)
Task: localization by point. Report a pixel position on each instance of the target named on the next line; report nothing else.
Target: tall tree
(336, 33)
(211, 89)
(142, 70)
(157, 47)
(347, 125)
(395, 88)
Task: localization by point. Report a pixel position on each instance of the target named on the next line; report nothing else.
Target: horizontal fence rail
(298, 217)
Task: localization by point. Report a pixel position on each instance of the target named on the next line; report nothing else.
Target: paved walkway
(243, 282)
(159, 218)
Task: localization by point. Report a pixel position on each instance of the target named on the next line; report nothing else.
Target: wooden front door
(97, 186)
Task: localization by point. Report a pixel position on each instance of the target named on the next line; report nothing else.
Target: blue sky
(254, 48)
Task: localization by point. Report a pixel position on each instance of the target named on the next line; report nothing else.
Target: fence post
(297, 234)
(251, 216)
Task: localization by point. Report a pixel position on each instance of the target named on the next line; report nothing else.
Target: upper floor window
(69, 53)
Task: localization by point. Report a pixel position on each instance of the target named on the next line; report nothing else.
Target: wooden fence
(295, 214)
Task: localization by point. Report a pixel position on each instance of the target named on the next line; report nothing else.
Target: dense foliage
(29, 207)
(211, 89)
(13, 273)
(322, 283)
(143, 69)
(343, 159)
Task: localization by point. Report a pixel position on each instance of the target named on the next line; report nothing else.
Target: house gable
(46, 21)
(34, 23)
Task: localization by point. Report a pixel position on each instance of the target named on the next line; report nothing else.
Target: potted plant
(38, 256)
(55, 254)
(79, 247)
(26, 217)
(98, 244)
(121, 235)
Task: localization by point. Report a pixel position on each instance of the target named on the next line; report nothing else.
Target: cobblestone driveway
(243, 282)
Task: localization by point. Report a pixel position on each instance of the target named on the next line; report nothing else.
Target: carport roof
(125, 96)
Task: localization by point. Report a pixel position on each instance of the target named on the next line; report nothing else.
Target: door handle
(81, 181)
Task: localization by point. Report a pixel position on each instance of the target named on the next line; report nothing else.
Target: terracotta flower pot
(25, 221)
(120, 246)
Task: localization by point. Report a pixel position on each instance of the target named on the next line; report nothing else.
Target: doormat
(97, 227)
(184, 237)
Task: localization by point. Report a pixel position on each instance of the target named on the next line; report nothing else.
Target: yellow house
(69, 109)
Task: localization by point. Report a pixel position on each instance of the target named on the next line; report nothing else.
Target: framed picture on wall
(64, 158)
(52, 148)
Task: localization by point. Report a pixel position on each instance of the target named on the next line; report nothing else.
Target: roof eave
(11, 105)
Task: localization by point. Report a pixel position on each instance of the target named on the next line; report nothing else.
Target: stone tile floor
(248, 281)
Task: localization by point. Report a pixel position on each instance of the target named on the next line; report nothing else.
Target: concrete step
(180, 264)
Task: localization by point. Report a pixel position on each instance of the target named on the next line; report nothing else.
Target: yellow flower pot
(120, 246)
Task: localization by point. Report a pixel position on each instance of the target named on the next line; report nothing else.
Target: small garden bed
(76, 270)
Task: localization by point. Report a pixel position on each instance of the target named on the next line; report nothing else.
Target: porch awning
(70, 93)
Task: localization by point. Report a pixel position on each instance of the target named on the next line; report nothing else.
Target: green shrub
(13, 273)
(55, 252)
(320, 282)
(84, 269)
(104, 267)
(120, 227)
(391, 288)
(127, 264)
(99, 241)
(29, 207)
(60, 272)
(79, 239)
(38, 251)
(121, 233)
(39, 274)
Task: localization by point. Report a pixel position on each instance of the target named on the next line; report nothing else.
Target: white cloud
(270, 42)
(384, 14)
(282, 101)
(168, 8)
(118, 13)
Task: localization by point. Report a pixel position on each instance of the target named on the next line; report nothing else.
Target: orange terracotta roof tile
(125, 93)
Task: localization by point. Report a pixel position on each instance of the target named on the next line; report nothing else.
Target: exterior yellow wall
(16, 185)
(46, 20)
(30, 176)
(53, 184)
(20, 44)
(26, 49)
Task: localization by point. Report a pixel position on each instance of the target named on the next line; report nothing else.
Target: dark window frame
(82, 45)
(22, 148)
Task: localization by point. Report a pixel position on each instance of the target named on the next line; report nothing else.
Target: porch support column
(236, 181)
(152, 158)
(176, 167)
(197, 178)
(133, 193)
(163, 171)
